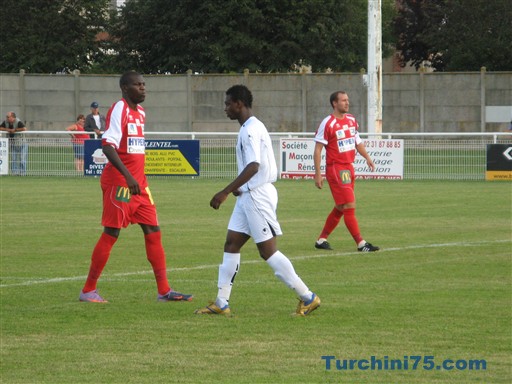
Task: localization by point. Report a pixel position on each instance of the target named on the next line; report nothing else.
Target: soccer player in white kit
(254, 214)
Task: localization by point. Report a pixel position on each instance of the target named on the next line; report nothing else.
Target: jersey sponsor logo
(132, 129)
(346, 145)
(136, 145)
(123, 194)
(345, 177)
(340, 134)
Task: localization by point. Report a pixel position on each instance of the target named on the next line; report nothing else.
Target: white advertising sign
(296, 159)
(4, 156)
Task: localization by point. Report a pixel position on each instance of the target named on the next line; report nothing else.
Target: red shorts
(120, 208)
(341, 181)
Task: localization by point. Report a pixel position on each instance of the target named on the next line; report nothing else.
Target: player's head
(127, 77)
(340, 103)
(133, 87)
(240, 93)
(334, 97)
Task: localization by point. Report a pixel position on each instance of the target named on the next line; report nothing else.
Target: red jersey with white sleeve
(340, 137)
(125, 132)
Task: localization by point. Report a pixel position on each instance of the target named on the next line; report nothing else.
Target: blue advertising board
(163, 158)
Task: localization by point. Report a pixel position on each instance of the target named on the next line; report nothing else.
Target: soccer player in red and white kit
(338, 133)
(126, 196)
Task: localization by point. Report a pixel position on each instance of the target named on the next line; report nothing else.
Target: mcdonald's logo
(123, 194)
(345, 177)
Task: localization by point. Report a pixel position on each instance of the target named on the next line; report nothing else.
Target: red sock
(99, 259)
(156, 256)
(351, 223)
(331, 223)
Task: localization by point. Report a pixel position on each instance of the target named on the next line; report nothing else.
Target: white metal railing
(429, 156)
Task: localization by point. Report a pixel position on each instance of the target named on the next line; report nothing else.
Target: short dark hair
(240, 93)
(334, 96)
(126, 77)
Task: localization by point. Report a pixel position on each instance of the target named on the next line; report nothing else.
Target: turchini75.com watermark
(407, 363)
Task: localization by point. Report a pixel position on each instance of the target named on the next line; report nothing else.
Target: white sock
(227, 272)
(285, 272)
(361, 243)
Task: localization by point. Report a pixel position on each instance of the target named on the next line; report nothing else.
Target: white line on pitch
(208, 266)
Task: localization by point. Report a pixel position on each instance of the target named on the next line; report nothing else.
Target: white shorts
(255, 214)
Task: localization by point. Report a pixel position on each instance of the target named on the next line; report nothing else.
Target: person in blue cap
(95, 122)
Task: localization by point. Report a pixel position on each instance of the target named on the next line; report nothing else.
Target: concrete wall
(412, 102)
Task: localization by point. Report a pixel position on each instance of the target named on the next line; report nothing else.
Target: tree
(455, 35)
(158, 36)
(48, 36)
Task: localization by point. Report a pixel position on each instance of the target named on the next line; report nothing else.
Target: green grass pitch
(441, 287)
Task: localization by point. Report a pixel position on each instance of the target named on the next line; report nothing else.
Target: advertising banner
(499, 162)
(163, 158)
(296, 158)
(4, 156)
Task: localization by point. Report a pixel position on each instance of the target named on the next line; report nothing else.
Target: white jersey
(254, 145)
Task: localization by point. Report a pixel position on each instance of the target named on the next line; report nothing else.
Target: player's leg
(346, 201)
(99, 258)
(284, 271)
(264, 227)
(144, 213)
(227, 273)
(237, 236)
(334, 179)
(349, 215)
(331, 223)
(230, 266)
(114, 217)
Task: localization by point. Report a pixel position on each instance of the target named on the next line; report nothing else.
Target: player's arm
(362, 151)
(112, 156)
(249, 171)
(317, 158)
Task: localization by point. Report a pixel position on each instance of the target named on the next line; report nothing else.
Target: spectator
(95, 122)
(18, 146)
(78, 140)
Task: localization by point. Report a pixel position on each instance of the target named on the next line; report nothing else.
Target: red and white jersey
(125, 132)
(340, 137)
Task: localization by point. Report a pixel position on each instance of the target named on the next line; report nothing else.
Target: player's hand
(133, 185)
(319, 181)
(371, 165)
(218, 199)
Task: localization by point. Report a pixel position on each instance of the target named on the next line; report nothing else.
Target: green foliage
(48, 36)
(441, 286)
(455, 35)
(159, 36)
